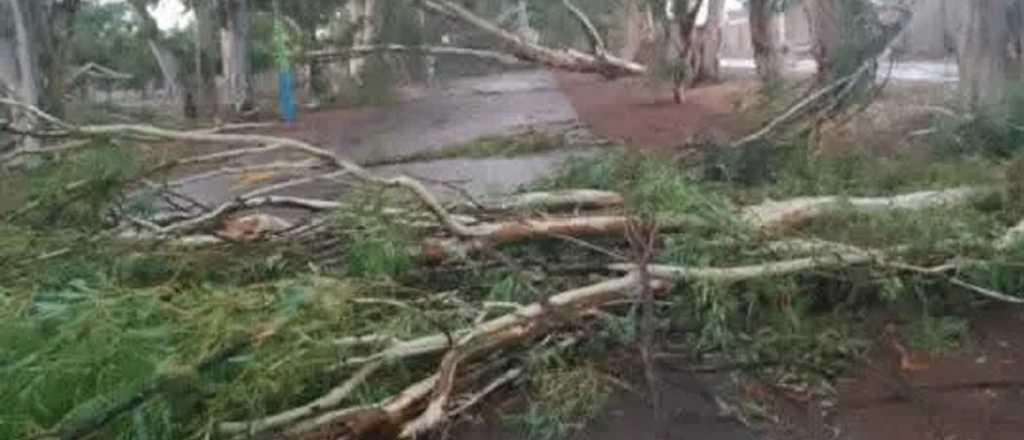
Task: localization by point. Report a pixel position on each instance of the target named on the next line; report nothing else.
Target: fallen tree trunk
(349, 52)
(564, 59)
(486, 337)
(767, 216)
(553, 201)
(799, 211)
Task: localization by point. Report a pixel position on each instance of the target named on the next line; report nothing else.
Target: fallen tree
(457, 366)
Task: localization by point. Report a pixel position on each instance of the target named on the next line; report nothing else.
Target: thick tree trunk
(683, 53)
(983, 61)
(28, 68)
(709, 36)
(765, 37)
(237, 60)
(58, 32)
(848, 34)
(826, 34)
(364, 15)
(204, 90)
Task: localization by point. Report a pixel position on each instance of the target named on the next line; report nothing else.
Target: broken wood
(798, 211)
(346, 52)
(522, 48)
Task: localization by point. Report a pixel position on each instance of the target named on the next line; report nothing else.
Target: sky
(170, 14)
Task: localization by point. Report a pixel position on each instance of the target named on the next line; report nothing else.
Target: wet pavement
(462, 111)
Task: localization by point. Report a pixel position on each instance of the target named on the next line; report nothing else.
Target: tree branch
(609, 66)
(345, 52)
(597, 46)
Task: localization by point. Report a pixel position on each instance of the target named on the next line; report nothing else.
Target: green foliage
(563, 400)
(379, 244)
(993, 133)
(492, 146)
(108, 34)
(651, 184)
(865, 174)
(942, 230)
(940, 335)
(76, 193)
(511, 288)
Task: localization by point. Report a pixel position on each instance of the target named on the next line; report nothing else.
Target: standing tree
(363, 14)
(28, 71)
(984, 57)
(44, 30)
(709, 36)
(237, 55)
(203, 91)
(54, 29)
(765, 23)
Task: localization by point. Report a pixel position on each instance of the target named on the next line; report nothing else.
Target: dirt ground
(976, 393)
(643, 115)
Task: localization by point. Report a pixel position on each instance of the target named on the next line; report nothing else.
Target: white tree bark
(983, 61)
(363, 14)
(237, 61)
(28, 70)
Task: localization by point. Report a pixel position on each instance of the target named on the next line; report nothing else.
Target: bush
(997, 132)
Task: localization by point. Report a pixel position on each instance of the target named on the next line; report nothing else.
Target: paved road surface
(464, 110)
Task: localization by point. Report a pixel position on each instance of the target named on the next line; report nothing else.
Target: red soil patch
(632, 111)
(974, 395)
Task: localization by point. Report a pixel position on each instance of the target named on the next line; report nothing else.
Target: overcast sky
(170, 14)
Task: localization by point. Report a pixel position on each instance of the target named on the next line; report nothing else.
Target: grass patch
(563, 400)
(938, 335)
(652, 185)
(527, 143)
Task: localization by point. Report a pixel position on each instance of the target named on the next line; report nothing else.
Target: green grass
(939, 335)
(521, 144)
(562, 401)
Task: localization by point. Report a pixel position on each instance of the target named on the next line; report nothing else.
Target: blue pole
(287, 96)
